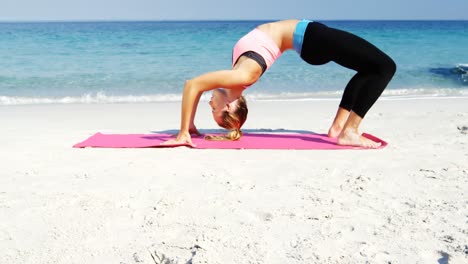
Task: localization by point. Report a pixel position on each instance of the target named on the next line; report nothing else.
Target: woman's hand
(183, 138)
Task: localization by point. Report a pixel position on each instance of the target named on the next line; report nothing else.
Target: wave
(458, 74)
(89, 98)
(102, 98)
(403, 93)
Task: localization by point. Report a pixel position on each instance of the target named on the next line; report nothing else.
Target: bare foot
(352, 138)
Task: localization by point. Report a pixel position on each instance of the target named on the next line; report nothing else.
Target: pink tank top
(259, 42)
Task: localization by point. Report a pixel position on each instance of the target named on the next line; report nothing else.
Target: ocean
(148, 61)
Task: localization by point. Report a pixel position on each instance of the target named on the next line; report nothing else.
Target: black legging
(374, 68)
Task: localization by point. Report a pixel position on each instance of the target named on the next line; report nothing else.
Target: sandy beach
(406, 203)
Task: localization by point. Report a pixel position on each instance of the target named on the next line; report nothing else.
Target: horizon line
(204, 20)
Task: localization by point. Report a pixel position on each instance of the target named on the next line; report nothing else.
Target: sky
(73, 10)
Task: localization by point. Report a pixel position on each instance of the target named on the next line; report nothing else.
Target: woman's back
(281, 32)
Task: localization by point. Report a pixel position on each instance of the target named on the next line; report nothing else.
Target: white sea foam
(102, 98)
(404, 93)
(98, 98)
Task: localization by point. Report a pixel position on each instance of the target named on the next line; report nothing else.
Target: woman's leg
(374, 71)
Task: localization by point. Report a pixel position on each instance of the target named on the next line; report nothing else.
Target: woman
(316, 44)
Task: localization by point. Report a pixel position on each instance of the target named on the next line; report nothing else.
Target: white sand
(406, 203)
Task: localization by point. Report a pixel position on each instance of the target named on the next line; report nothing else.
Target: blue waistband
(298, 36)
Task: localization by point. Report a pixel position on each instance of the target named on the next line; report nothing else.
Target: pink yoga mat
(248, 141)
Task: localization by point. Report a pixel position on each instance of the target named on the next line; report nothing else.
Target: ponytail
(233, 135)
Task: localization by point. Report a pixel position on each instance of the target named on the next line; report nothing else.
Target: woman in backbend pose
(316, 44)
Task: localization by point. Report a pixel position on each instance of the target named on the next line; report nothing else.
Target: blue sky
(12, 10)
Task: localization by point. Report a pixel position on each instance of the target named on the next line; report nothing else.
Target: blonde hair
(233, 122)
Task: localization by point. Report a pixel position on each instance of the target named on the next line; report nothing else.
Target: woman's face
(218, 103)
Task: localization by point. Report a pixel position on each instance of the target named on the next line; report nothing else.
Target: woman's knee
(388, 67)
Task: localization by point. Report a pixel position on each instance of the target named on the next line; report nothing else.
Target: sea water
(148, 61)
